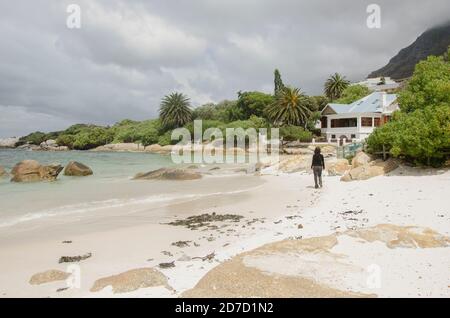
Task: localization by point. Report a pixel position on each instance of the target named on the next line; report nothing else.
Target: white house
(356, 121)
(380, 84)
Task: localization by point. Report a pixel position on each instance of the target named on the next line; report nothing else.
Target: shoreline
(127, 255)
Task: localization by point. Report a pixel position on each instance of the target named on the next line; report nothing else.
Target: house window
(353, 136)
(377, 122)
(324, 122)
(333, 136)
(366, 121)
(344, 122)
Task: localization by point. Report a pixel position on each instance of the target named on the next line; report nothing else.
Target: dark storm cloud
(128, 54)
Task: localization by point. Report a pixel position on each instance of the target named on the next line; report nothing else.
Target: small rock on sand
(132, 280)
(49, 276)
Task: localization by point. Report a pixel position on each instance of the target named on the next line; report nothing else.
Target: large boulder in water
(168, 174)
(77, 169)
(32, 171)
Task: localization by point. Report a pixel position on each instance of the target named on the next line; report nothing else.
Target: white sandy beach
(275, 208)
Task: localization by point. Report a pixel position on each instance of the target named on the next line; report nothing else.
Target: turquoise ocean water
(111, 188)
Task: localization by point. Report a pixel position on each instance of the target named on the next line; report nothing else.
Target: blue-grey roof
(372, 103)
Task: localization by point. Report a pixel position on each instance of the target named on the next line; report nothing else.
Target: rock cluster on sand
(31, 171)
(360, 159)
(363, 168)
(49, 276)
(338, 167)
(168, 174)
(77, 169)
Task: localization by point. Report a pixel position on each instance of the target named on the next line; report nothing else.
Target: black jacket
(318, 161)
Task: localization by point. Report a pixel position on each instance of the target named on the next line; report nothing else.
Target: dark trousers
(317, 175)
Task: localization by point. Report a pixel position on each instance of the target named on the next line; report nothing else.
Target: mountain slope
(432, 42)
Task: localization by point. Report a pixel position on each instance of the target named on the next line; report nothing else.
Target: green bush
(93, 137)
(145, 132)
(429, 86)
(165, 139)
(35, 138)
(422, 136)
(65, 140)
(293, 133)
(253, 103)
(420, 131)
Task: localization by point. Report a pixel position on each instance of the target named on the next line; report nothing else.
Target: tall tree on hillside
(175, 110)
(289, 108)
(335, 85)
(278, 82)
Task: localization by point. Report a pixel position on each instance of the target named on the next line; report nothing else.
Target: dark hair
(317, 151)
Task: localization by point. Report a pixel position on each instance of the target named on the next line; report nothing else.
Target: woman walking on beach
(317, 165)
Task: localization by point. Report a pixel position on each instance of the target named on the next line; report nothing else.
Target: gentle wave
(109, 204)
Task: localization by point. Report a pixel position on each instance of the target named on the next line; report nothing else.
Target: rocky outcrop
(8, 142)
(29, 147)
(51, 145)
(360, 159)
(133, 147)
(369, 170)
(32, 171)
(297, 151)
(77, 169)
(121, 147)
(168, 174)
(294, 163)
(325, 149)
(153, 148)
(338, 168)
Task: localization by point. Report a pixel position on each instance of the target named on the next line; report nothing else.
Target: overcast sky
(129, 53)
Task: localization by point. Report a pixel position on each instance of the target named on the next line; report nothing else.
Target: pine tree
(279, 86)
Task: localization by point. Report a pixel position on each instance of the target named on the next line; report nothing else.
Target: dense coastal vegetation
(419, 132)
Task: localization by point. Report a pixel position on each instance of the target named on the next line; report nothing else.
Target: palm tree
(175, 110)
(335, 85)
(289, 108)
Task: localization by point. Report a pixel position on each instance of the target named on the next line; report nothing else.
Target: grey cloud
(128, 54)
